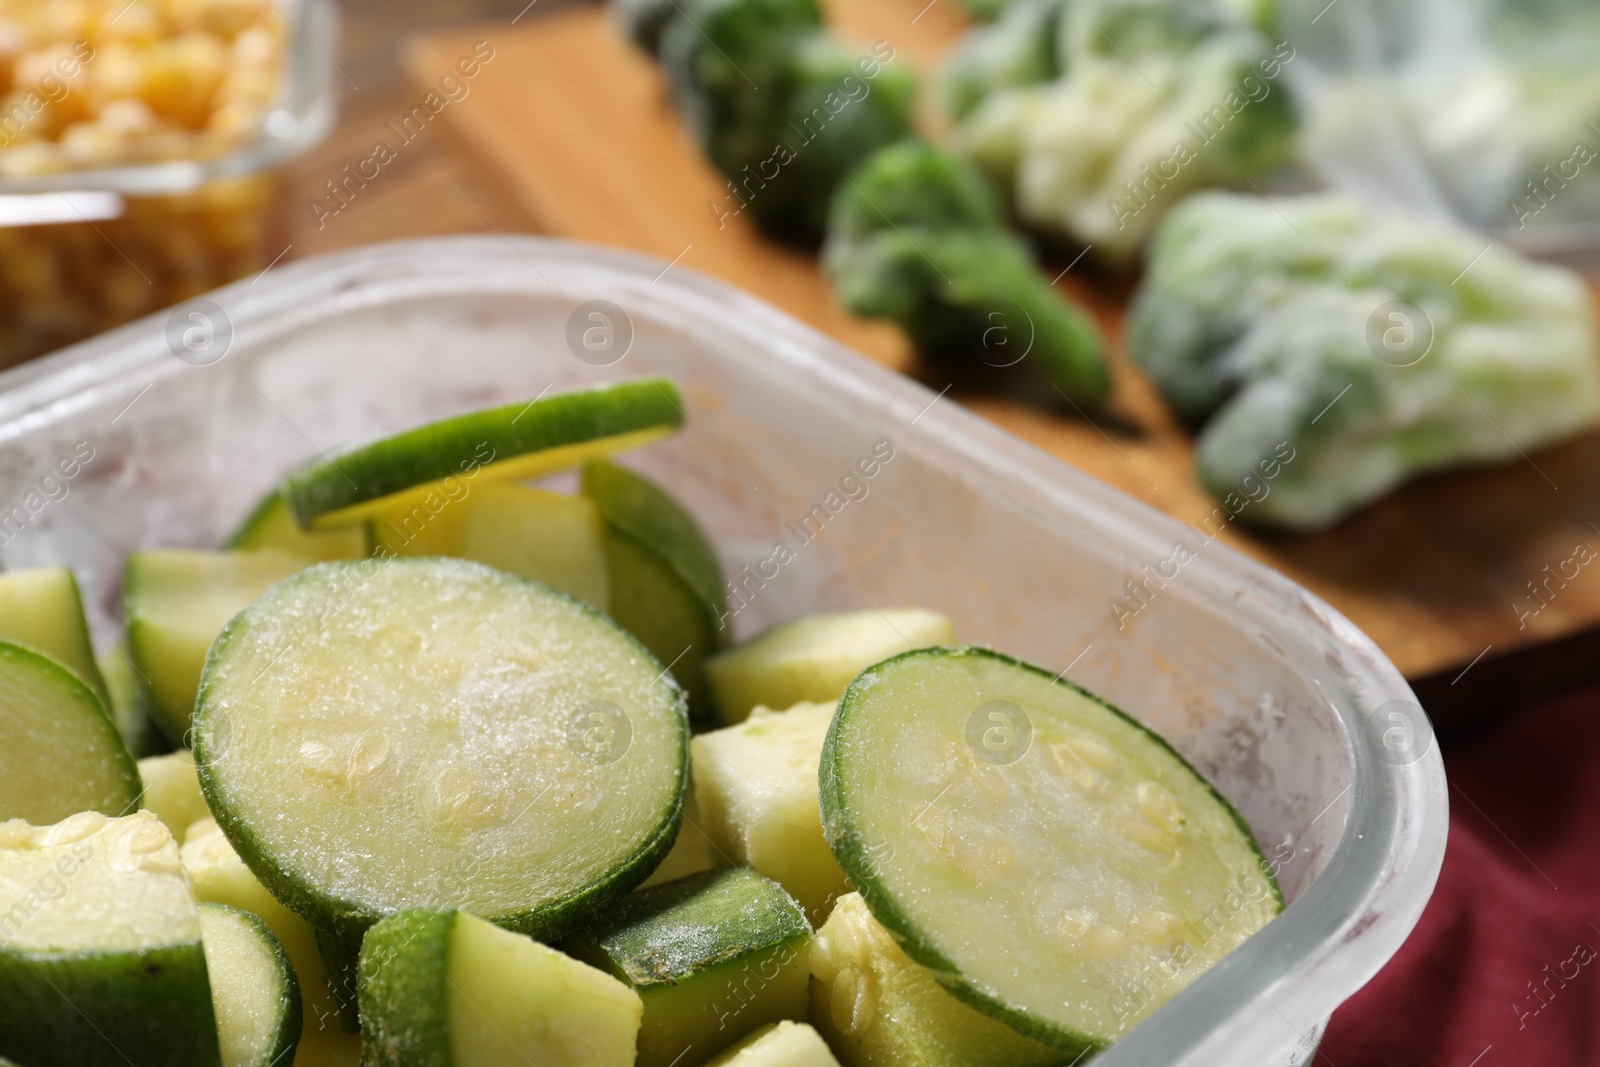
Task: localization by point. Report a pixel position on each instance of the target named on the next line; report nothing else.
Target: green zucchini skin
(404, 965)
(675, 602)
(695, 950)
(151, 1009)
(449, 447)
(855, 855)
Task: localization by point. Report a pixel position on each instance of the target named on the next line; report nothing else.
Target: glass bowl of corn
(140, 146)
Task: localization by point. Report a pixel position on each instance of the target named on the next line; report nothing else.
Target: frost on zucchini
(445, 989)
(815, 657)
(756, 785)
(100, 947)
(429, 732)
(879, 1009)
(1054, 862)
(712, 957)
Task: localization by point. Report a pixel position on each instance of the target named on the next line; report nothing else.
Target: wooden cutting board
(1441, 574)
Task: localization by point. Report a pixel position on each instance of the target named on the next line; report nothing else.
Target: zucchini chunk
(129, 706)
(270, 524)
(174, 603)
(429, 732)
(712, 957)
(445, 989)
(514, 442)
(172, 791)
(879, 1009)
(785, 1044)
(42, 609)
(100, 954)
(219, 876)
(532, 533)
(813, 658)
(253, 989)
(666, 582)
(62, 752)
(959, 782)
(756, 784)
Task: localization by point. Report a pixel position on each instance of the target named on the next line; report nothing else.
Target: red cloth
(1503, 968)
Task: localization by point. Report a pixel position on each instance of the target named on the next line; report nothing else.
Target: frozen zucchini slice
(514, 442)
(42, 609)
(815, 657)
(879, 1009)
(533, 533)
(172, 791)
(62, 753)
(430, 732)
(100, 960)
(129, 704)
(712, 957)
(271, 525)
(756, 785)
(666, 583)
(785, 1044)
(1108, 874)
(174, 603)
(254, 992)
(219, 876)
(445, 989)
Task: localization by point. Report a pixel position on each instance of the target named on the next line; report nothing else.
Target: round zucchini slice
(429, 732)
(62, 752)
(254, 992)
(514, 442)
(1053, 862)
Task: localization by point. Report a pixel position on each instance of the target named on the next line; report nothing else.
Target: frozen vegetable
(115, 964)
(1333, 352)
(1156, 98)
(782, 107)
(917, 236)
(1055, 863)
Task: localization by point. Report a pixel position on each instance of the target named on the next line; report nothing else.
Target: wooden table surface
(558, 125)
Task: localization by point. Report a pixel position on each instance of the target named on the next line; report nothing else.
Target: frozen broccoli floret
(917, 236)
(1367, 347)
(1021, 48)
(779, 106)
(1157, 98)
